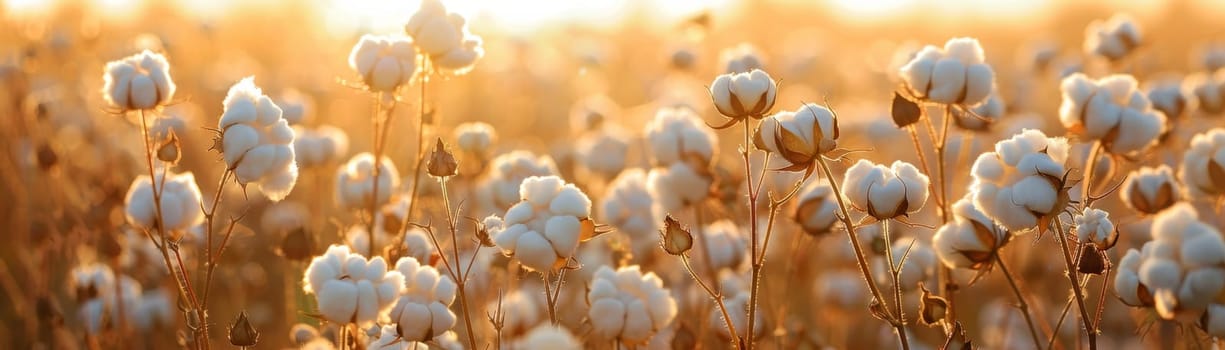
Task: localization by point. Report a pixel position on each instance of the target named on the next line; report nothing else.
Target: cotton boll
(1169, 99)
(544, 229)
(1202, 171)
(677, 134)
(421, 309)
(984, 114)
(1018, 183)
(499, 189)
(1094, 226)
(603, 152)
(817, 208)
(1208, 90)
(678, 186)
(180, 203)
(725, 243)
(384, 62)
(320, 146)
(444, 37)
(627, 207)
(799, 137)
(1180, 271)
(355, 182)
(742, 95)
(970, 240)
(1112, 39)
(138, 82)
(1112, 110)
(546, 337)
(885, 192)
(256, 142)
(741, 58)
(349, 288)
(629, 306)
(956, 74)
(475, 137)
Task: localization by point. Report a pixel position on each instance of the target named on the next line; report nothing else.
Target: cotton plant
(885, 192)
(547, 337)
(969, 241)
(1180, 272)
(1112, 111)
(351, 289)
(603, 152)
(256, 141)
(100, 299)
(725, 245)
(1202, 171)
(741, 58)
(179, 208)
(1208, 90)
(413, 240)
(138, 82)
(1093, 226)
(1150, 190)
(443, 37)
(1021, 183)
(738, 96)
(422, 310)
(1113, 38)
(543, 230)
(475, 141)
(816, 209)
(319, 146)
(626, 206)
(499, 189)
(629, 305)
(980, 118)
(356, 180)
(956, 74)
(384, 63)
(682, 149)
(799, 137)
(1170, 99)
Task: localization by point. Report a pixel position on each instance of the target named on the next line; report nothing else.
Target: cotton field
(642, 174)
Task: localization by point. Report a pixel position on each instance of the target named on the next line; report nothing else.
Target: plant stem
(378, 165)
(860, 257)
(752, 201)
(548, 296)
(208, 233)
(718, 297)
(1090, 164)
(423, 80)
(1021, 303)
(1076, 290)
(458, 275)
(180, 278)
(947, 284)
(894, 274)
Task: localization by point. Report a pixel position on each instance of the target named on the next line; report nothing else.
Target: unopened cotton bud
(242, 334)
(676, 238)
(169, 151)
(442, 163)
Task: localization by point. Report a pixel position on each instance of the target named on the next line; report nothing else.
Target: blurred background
(67, 162)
